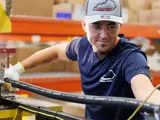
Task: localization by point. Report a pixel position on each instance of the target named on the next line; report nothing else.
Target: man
(109, 65)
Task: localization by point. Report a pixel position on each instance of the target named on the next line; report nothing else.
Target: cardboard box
(124, 3)
(145, 16)
(59, 1)
(32, 7)
(62, 11)
(6, 5)
(133, 17)
(155, 5)
(155, 20)
(149, 17)
(72, 66)
(68, 11)
(3, 4)
(77, 11)
(136, 5)
(81, 2)
(125, 15)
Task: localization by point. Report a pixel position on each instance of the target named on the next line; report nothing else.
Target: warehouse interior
(33, 25)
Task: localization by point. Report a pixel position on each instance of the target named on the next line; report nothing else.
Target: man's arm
(41, 57)
(142, 87)
(46, 55)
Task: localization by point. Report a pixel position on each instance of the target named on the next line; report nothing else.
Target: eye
(112, 26)
(97, 26)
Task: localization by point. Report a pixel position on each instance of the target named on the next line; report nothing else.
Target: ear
(83, 25)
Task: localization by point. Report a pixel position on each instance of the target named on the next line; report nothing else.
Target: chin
(102, 50)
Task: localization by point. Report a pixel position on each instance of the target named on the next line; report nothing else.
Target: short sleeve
(135, 64)
(72, 49)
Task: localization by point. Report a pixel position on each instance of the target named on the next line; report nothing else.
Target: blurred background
(37, 24)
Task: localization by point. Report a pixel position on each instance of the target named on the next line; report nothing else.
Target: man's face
(102, 35)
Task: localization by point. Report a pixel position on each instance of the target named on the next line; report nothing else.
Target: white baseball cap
(101, 10)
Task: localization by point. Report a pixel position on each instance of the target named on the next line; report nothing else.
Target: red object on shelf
(5, 56)
(7, 50)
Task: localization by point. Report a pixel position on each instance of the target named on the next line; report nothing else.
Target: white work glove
(13, 73)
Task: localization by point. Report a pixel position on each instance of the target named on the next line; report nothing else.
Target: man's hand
(13, 73)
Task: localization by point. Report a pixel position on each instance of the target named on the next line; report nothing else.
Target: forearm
(155, 97)
(142, 87)
(39, 58)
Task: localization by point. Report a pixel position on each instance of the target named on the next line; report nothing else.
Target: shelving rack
(49, 29)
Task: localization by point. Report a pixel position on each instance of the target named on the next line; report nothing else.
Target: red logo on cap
(107, 5)
(103, 9)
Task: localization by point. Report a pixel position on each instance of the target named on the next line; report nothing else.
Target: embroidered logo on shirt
(108, 77)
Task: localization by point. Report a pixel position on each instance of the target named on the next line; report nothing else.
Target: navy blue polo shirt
(110, 76)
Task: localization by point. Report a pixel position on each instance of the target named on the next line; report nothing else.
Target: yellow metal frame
(4, 114)
(9, 114)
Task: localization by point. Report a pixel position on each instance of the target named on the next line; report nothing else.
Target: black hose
(121, 102)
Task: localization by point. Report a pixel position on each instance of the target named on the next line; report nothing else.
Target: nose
(104, 32)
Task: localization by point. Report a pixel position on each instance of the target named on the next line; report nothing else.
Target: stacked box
(155, 6)
(68, 11)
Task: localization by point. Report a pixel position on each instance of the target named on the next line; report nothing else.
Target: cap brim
(96, 18)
